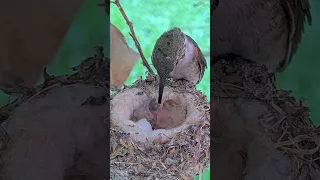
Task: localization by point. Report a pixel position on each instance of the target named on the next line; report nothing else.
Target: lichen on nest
(183, 156)
(286, 123)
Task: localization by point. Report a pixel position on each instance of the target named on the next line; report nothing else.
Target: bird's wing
(298, 11)
(201, 60)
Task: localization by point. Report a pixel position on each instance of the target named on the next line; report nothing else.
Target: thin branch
(133, 35)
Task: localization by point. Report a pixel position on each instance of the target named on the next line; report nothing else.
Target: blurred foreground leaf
(123, 58)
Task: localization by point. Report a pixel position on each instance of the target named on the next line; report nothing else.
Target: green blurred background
(87, 31)
(151, 18)
(302, 74)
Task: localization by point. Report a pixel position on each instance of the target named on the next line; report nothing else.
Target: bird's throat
(191, 50)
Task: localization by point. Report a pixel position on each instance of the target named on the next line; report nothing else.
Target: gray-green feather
(164, 55)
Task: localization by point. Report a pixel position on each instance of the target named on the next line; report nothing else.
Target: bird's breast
(187, 68)
(189, 50)
(254, 29)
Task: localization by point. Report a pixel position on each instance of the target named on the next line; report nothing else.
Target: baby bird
(265, 32)
(154, 108)
(167, 115)
(178, 56)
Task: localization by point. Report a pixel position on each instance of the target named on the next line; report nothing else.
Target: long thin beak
(161, 87)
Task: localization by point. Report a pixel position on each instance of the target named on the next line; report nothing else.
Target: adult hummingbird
(178, 56)
(265, 32)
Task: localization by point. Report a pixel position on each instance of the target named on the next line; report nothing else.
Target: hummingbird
(178, 56)
(264, 32)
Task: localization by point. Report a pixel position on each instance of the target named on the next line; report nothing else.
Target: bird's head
(168, 50)
(154, 106)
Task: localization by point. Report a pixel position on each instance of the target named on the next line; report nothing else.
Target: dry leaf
(123, 58)
(158, 140)
(185, 177)
(206, 153)
(30, 35)
(171, 151)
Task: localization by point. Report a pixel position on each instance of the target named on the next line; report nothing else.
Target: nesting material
(58, 130)
(178, 150)
(267, 132)
(129, 111)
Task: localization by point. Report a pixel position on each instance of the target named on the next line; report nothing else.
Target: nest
(276, 126)
(177, 151)
(57, 130)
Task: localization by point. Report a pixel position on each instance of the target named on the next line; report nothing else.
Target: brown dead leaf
(30, 35)
(183, 177)
(171, 151)
(123, 143)
(206, 152)
(158, 140)
(116, 152)
(123, 58)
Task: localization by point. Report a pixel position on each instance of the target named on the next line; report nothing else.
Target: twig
(125, 163)
(162, 164)
(133, 35)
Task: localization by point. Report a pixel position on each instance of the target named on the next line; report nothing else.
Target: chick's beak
(154, 108)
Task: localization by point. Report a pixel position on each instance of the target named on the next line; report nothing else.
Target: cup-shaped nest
(174, 145)
(180, 109)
